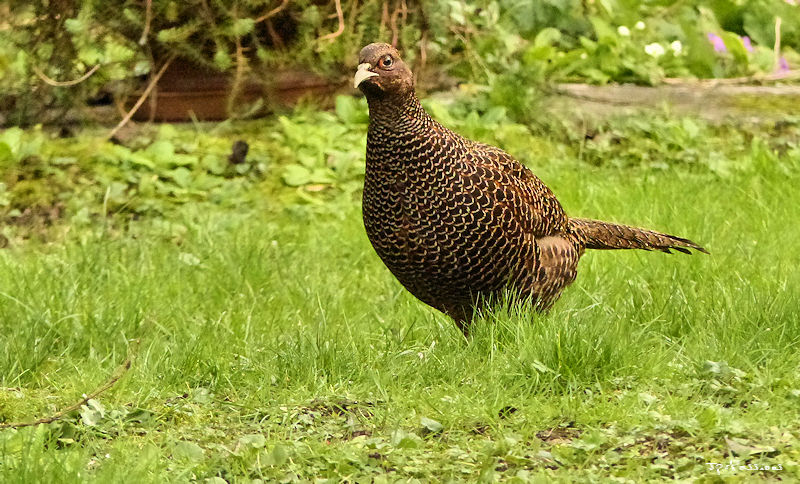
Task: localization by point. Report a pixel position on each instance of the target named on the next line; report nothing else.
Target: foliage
(36, 44)
(318, 157)
(511, 46)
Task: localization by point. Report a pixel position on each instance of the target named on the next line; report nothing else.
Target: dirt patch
(559, 435)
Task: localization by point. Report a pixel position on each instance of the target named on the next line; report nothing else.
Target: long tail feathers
(604, 235)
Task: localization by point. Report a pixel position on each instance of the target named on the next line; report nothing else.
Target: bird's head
(381, 72)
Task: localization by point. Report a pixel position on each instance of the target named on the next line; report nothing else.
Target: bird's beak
(363, 73)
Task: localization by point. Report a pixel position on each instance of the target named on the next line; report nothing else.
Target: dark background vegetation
(511, 46)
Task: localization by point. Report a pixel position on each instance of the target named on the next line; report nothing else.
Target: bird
(459, 222)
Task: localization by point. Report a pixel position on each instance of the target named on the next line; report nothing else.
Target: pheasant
(457, 221)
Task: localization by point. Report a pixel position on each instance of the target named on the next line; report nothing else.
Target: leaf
(222, 60)
(741, 447)
(349, 110)
(215, 480)
(735, 47)
(242, 26)
(162, 151)
(255, 441)
(547, 37)
(181, 176)
(278, 456)
(405, 440)
(5, 152)
(184, 450)
(647, 398)
(432, 426)
(296, 175)
(92, 413)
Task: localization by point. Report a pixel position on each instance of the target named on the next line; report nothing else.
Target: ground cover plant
(268, 342)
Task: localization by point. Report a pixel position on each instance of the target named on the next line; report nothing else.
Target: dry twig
(118, 373)
(148, 18)
(141, 99)
(73, 82)
(273, 12)
(340, 16)
(776, 50)
(241, 65)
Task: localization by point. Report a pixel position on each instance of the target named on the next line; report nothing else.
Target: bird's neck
(400, 114)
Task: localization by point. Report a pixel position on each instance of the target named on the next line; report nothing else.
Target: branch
(275, 11)
(340, 16)
(148, 17)
(141, 99)
(118, 373)
(777, 48)
(55, 83)
(393, 27)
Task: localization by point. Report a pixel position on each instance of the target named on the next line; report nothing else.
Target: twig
(241, 65)
(118, 373)
(277, 41)
(777, 48)
(275, 11)
(423, 55)
(141, 99)
(73, 82)
(340, 16)
(148, 18)
(393, 27)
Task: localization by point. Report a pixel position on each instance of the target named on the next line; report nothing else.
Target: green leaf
(431, 425)
(162, 151)
(242, 26)
(736, 47)
(547, 37)
(405, 440)
(6, 154)
(278, 456)
(296, 175)
(255, 441)
(181, 176)
(92, 413)
(222, 60)
(184, 450)
(349, 110)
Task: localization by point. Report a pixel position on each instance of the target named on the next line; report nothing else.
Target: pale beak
(363, 73)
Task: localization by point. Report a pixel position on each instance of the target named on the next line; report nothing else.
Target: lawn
(267, 340)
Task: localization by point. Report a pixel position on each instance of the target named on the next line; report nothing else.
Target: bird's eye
(386, 61)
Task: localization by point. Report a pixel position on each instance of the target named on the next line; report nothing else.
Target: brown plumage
(457, 221)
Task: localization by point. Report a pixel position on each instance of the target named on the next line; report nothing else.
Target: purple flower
(717, 42)
(783, 64)
(747, 45)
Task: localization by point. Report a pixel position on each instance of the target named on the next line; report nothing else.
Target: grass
(273, 345)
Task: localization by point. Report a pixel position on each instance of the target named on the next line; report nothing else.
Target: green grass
(274, 345)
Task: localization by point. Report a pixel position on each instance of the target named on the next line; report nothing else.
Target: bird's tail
(605, 235)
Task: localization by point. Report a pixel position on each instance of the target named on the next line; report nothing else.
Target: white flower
(654, 50)
(584, 55)
(676, 47)
(639, 25)
(623, 31)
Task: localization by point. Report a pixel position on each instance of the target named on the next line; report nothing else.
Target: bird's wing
(513, 186)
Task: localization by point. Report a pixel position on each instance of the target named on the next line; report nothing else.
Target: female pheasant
(457, 221)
